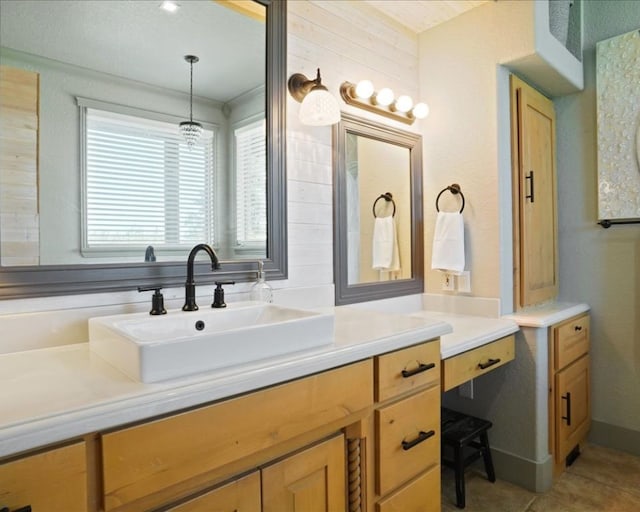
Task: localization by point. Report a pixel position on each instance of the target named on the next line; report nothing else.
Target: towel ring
(454, 189)
(387, 196)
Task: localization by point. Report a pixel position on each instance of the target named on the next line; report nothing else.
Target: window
(251, 181)
(143, 185)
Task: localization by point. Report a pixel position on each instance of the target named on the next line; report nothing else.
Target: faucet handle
(218, 294)
(157, 300)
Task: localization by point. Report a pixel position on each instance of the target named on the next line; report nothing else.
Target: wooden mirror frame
(39, 281)
(346, 293)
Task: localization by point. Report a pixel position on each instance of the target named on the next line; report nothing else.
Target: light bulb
(420, 111)
(384, 97)
(364, 89)
(404, 104)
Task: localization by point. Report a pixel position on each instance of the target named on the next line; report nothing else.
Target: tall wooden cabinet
(534, 195)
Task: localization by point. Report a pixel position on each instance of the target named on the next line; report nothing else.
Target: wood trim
(253, 10)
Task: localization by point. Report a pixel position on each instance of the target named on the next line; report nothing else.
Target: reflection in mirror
(100, 176)
(378, 203)
(118, 176)
(378, 222)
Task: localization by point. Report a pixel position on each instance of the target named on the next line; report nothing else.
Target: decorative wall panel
(618, 90)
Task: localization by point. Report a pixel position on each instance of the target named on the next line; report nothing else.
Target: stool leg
(459, 469)
(486, 455)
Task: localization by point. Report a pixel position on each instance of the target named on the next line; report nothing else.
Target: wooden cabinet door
(573, 406)
(310, 481)
(535, 224)
(241, 495)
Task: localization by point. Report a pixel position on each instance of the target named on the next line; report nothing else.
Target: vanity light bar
(383, 102)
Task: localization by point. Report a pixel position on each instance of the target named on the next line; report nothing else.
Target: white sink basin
(153, 348)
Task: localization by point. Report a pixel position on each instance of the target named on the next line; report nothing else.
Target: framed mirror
(378, 226)
(115, 71)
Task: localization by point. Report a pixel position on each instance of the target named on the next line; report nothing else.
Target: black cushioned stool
(465, 434)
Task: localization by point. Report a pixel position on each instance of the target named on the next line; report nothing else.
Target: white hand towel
(385, 254)
(448, 243)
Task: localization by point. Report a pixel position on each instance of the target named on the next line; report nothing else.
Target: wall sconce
(318, 106)
(383, 102)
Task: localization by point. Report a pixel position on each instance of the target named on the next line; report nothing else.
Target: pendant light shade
(191, 130)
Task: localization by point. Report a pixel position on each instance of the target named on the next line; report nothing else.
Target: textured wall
(600, 267)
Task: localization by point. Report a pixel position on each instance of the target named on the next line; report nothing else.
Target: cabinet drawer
(419, 495)
(241, 495)
(403, 370)
(476, 362)
(155, 461)
(571, 340)
(408, 438)
(51, 480)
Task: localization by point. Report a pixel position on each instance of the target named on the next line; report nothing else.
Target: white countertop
(54, 394)
(548, 314)
(469, 332)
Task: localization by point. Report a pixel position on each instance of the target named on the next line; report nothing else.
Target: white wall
(348, 41)
(466, 140)
(600, 266)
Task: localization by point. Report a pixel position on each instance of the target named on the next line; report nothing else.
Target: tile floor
(600, 480)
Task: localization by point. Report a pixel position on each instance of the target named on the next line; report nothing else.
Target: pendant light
(191, 130)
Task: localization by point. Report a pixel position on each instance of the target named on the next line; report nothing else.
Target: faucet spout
(190, 285)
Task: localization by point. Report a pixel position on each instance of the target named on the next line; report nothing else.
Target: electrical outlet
(464, 282)
(448, 282)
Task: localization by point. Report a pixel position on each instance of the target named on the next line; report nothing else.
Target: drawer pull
(577, 328)
(490, 362)
(421, 368)
(423, 436)
(568, 416)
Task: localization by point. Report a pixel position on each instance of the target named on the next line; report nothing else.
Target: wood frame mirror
(349, 290)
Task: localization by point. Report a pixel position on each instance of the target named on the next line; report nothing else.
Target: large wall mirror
(378, 230)
(99, 189)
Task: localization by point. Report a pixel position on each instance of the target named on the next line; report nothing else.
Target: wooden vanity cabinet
(569, 388)
(407, 429)
(535, 233)
(53, 480)
(363, 437)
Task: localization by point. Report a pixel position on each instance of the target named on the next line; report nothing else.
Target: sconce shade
(319, 107)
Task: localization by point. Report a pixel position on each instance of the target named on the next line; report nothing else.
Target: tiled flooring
(600, 480)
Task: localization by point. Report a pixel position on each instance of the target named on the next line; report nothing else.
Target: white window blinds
(251, 184)
(143, 185)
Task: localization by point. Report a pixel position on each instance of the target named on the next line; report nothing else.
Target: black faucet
(190, 285)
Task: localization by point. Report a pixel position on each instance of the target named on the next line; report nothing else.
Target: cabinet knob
(577, 328)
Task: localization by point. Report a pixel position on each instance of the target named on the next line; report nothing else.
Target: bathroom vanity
(355, 423)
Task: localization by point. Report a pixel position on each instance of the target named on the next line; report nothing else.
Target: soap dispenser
(261, 291)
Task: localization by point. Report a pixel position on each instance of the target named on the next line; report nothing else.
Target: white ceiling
(139, 41)
(419, 15)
